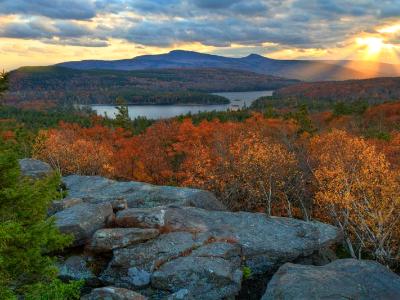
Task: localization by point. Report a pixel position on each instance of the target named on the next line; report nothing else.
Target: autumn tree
(73, 149)
(359, 192)
(247, 170)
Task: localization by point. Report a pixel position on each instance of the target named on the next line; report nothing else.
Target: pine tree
(28, 236)
(3, 83)
(122, 118)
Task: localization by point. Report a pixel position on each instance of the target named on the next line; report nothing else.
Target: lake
(238, 100)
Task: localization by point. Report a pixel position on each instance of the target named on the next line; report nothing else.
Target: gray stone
(147, 257)
(75, 268)
(205, 277)
(138, 194)
(341, 279)
(138, 278)
(113, 293)
(107, 239)
(82, 220)
(141, 218)
(34, 168)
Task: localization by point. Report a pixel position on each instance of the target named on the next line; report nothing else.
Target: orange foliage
(88, 151)
(387, 114)
(359, 192)
(8, 135)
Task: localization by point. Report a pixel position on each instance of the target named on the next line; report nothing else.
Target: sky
(43, 32)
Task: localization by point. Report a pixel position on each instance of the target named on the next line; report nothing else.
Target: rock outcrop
(201, 250)
(177, 243)
(341, 279)
(34, 168)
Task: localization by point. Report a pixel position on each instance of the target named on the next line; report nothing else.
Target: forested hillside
(187, 86)
(374, 90)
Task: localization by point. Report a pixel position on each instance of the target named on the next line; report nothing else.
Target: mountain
(161, 86)
(308, 70)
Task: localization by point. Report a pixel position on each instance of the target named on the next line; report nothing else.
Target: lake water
(238, 100)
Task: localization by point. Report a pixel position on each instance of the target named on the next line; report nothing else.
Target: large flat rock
(341, 279)
(266, 242)
(202, 250)
(137, 194)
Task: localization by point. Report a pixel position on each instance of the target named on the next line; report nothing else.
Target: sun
(373, 45)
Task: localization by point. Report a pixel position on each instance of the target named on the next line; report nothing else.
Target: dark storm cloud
(289, 23)
(59, 9)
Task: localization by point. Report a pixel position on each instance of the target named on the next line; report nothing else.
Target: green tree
(302, 117)
(122, 118)
(3, 83)
(28, 236)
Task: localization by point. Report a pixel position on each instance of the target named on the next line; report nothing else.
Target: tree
(3, 82)
(247, 170)
(122, 118)
(28, 236)
(360, 193)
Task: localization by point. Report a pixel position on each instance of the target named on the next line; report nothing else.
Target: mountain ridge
(306, 70)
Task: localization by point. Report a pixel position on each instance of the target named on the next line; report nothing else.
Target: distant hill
(374, 90)
(307, 70)
(167, 86)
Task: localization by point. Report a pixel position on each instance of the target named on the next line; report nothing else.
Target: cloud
(80, 42)
(61, 32)
(58, 9)
(164, 23)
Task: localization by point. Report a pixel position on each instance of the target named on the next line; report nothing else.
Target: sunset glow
(41, 33)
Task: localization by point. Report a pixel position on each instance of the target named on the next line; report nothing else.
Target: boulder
(34, 168)
(137, 194)
(75, 268)
(341, 279)
(107, 239)
(113, 293)
(83, 220)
